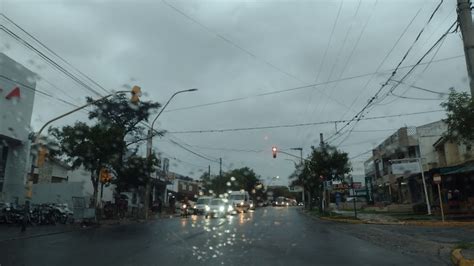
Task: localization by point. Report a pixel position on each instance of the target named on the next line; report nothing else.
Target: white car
(201, 203)
(218, 208)
(240, 200)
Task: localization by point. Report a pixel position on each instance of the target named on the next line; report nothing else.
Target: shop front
(457, 189)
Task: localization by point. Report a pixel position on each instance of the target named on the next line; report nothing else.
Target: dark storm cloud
(241, 49)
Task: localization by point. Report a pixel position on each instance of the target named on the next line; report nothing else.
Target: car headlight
(207, 208)
(221, 208)
(230, 209)
(241, 204)
(251, 205)
(194, 207)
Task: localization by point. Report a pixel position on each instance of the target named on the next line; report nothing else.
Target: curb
(458, 259)
(347, 221)
(44, 234)
(440, 224)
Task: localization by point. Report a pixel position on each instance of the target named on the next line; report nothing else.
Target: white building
(17, 92)
(84, 177)
(427, 135)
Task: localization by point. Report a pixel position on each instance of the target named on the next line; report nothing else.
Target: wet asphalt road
(268, 236)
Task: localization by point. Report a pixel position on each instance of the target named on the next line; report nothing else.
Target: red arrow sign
(14, 93)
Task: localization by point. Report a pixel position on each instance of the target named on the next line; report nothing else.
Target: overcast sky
(239, 49)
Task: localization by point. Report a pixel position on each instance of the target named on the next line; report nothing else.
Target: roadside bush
(420, 208)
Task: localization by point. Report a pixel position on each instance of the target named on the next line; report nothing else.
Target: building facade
(17, 92)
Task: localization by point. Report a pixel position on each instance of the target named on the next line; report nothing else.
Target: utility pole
(209, 172)
(323, 203)
(220, 167)
(354, 197)
(149, 147)
(467, 30)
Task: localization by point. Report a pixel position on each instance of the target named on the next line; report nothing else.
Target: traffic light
(274, 151)
(104, 176)
(136, 93)
(42, 153)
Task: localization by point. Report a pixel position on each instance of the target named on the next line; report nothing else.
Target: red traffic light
(274, 151)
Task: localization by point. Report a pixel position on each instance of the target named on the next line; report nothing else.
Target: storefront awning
(464, 169)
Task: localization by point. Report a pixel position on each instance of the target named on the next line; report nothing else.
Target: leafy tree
(92, 147)
(236, 179)
(136, 172)
(106, 143)
(119, 113)
(324, 163)
(460, 117)
(280, 191)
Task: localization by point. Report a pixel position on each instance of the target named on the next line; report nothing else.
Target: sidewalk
(370, 217)
(391, 219)
(12, 232)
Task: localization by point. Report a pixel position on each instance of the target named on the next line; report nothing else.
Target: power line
(227, 40)
(301, 87)
(295, 125)
(242, 49)
(54, 53)
(374, 130)
(401, 61)
(350, 56)
(329, 42)
(37, 90)
(416, 98)
(172, 157)
(359, 115)
(360, 154)
(385, 59)
(420, 88)
(193, 152)
(48, 60)
(324, 59)
(424, 55)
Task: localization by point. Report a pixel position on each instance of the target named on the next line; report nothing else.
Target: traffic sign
(437, 179)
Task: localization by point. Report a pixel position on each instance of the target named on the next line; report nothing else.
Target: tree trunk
(310, 201)
(95, 186)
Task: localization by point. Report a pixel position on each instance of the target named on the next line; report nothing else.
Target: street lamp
(149, 145)
(301, 152)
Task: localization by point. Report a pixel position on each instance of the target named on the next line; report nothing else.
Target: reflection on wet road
(268, 236)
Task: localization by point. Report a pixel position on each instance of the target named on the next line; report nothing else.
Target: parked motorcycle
(62, 213)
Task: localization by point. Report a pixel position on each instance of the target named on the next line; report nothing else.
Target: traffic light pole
(37, 136)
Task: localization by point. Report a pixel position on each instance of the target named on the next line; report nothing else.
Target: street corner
(458, 258)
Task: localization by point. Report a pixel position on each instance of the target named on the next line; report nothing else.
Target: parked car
(218, 208)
